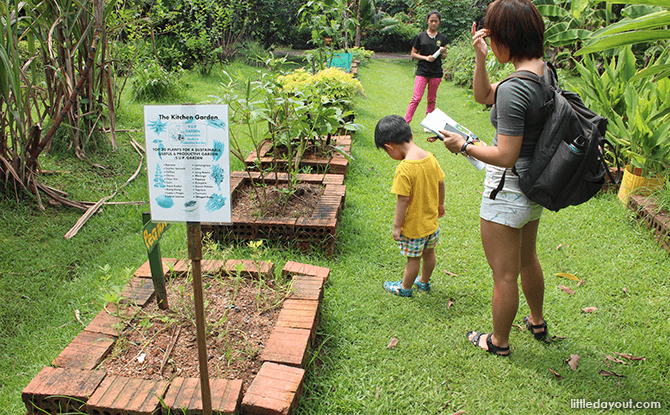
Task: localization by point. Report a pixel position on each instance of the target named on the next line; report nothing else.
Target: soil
(240, 314)
(278, 201)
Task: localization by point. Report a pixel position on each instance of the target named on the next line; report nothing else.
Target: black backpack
(568, 166)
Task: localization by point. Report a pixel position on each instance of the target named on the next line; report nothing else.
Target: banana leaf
(622, 39)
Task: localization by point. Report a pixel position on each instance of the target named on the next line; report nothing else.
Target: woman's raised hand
(479, 42)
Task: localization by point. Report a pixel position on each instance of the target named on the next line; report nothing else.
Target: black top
(427, 45)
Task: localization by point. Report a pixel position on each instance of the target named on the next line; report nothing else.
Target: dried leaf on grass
(568, 276)
(77, 315)
(450, 302)
(459, 413)
(629, 357)
(377, 392)
(589, 309)
(451, 273)
(573, 361)
(555, 373)
(614, 359)
(553, 338)
(580, 282)
(607, 373)
(562, 246)
(392, 343)
(566, 289)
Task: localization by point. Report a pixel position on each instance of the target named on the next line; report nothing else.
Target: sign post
(151, 234)
(195, 255)
(188, 168)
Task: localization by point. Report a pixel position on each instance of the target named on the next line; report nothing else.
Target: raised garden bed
(318, 229)
(336, 163)
(647, 212)
(74, 382)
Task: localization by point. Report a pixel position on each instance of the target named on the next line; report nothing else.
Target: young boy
(419, 185)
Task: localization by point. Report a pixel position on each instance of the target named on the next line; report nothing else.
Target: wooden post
(195, 255)
(156, 265)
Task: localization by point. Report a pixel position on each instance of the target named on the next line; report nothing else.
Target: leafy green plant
(153, 83)
(638, 111)
(254, 53)
(361, 54)
(459, 63)
(644, 26)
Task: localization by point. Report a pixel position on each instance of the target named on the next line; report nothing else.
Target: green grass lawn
(433, 369)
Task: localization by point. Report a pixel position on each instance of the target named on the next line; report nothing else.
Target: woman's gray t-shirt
(518, 111)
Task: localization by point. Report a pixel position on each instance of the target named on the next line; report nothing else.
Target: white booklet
(438, 120)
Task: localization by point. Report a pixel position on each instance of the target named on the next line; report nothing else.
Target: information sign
(188, 163)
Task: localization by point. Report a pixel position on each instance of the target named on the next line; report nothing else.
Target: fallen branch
(89, 212)
(92, 209)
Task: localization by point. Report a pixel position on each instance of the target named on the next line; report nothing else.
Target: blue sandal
(425, 287)
(395, 287)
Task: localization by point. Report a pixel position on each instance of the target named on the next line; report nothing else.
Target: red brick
(58, 390)
(145, 270)
(307, 288)
(211, 266)
(249, 268)
(182, 267)
(185, 394)
(138, 291)
(299, 314)
(119, 396)
(85, 351)
(107, 321)
(287, 346)
(275, 390)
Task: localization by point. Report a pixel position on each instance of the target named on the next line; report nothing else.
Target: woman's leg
(532, 279)
(502, 246)
(433, 84)
(420, 83)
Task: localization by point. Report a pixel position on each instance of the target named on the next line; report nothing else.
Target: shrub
(153, 83)
(459, 64)
(396, 37)
(336, 86)
(254, 53)
(361, 54)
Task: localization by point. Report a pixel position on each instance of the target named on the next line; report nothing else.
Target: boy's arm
(400, 208)
(440, 207)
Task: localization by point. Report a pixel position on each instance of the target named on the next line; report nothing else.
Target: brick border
(646, 212)
(320, 228)
(336, 164)
(73, 384)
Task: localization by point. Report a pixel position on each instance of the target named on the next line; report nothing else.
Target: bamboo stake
(195, 255)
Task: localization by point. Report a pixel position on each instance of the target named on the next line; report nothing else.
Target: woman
(429, 68)
(509, 223)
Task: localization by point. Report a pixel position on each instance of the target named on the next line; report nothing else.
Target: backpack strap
(549, 83)
(497, 190)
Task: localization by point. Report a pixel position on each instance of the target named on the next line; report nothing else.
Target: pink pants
(420, 83)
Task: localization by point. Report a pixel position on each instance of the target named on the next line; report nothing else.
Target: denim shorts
(511, 207)
(414, 247)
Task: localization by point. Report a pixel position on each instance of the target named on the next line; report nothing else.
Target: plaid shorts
(414, 247)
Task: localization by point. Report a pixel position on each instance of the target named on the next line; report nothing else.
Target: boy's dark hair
(518, 26)
(392, 129)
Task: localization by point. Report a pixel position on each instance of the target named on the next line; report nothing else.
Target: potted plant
(639, 117)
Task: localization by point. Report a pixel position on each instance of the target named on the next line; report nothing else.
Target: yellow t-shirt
(420, 180)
